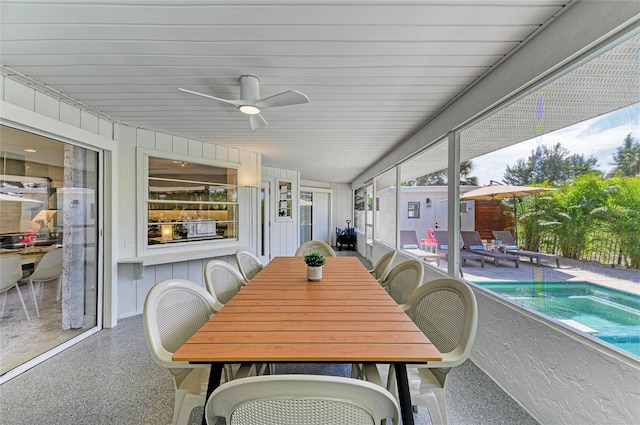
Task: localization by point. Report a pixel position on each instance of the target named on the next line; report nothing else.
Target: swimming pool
(613, 315)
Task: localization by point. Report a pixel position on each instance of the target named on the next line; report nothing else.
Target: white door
(321, 214)
(315, 215)
(264, 236)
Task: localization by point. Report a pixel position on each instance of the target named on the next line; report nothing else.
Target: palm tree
(627, 158)
(621, 217)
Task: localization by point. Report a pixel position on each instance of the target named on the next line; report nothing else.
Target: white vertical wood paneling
(105, 129)
(47, 106)
(19, 94)
(126, 298)
(180, 270)
(140, 290)
(145, 138)
(164, 142)
(209, 151)
(222, 153)
(88, 122)
(284, 234)
(181, 146)
(2, 81)
(196, 269)
(195, 148)
(69, 114)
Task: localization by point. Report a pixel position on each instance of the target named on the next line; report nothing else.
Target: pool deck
(570, 270)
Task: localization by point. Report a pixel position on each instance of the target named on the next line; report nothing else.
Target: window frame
(144, 248)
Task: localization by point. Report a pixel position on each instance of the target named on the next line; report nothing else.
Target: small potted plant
(314, 262)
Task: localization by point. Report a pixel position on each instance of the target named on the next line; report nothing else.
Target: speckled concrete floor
(110, 378)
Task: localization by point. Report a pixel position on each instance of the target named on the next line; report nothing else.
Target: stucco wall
(558, 376)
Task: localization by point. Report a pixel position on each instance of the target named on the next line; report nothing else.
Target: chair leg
(59, 291)
(4, 301)
(33, 295)
(21, 300)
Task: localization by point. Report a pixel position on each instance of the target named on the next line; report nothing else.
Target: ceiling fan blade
(257, 121)
(230, 102)
(289, 97)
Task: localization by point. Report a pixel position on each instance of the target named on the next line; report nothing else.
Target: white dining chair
(403, 279)
(173, 311)
(383, 266)
(301, 399)
(223, 281)
(315, 246)
(48, 268)
(10, 274)
(248, 264)
(446, 311)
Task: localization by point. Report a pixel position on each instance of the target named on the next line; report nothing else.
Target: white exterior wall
(558, 376)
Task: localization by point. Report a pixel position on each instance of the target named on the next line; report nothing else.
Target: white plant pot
(314, 274)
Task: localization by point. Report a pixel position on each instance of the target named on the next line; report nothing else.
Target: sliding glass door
(49, 209)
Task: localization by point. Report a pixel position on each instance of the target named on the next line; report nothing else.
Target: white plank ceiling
(374, 70)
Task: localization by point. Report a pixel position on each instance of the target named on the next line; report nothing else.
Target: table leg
(403, 393)
(214, 382)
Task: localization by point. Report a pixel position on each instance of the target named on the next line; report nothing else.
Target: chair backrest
(409, 239)
(173, 311)
(442, 236)
(10, 271)
(315, 246)
(300, 399)
(383, 266)
(446, 311)
(223, 281)
(49, 267)
(472, 240)
(403, 279)
(505, 237)
(248, 264)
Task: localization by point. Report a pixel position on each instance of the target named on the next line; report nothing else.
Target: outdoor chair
(403, 279)
(473, 243)
(315, 246)
(443, 248)
(383, 266)
(248, 264)
(10, 274)
(48, 268)
(410, 245)
(222, 281)
(173, 311)
(510, 247)
(445, 310)
(301, 399)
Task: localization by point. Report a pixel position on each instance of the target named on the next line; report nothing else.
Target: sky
(599, 137)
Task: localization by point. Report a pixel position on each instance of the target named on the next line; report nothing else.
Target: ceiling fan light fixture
(249, 109)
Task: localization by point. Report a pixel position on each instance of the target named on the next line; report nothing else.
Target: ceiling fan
(250, 102)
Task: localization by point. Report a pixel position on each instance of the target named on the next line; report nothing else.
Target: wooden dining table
(280, 316)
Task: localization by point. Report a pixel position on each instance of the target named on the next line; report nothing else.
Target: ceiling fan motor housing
(249, 88)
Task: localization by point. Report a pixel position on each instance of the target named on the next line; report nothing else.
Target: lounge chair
(410, 245)
(443, 249)
(510, 247)
(473, 243)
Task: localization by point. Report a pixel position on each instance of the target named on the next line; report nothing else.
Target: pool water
(615, 315)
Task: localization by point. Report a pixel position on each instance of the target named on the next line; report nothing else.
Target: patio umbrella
(497, 190)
